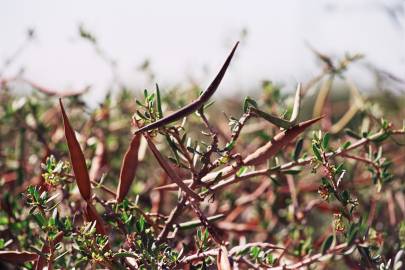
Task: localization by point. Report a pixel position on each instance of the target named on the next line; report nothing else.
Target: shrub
(196, 188)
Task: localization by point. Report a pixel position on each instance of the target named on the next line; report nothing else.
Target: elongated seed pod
(322, 96)
(128, 168)
(17, 257)
(77, 158)
(195, 105)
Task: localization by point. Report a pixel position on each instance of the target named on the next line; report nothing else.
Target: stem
(172, 218)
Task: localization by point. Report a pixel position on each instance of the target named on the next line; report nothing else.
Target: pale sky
(189, 40)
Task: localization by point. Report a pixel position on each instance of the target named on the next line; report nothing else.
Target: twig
(311, 259)
(171, 219)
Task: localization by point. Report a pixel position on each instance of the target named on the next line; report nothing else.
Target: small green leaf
(241, 171)
(254, 252)
(325, 141)
(229, 146)
(345, 196)
(327, 244)
(353, 134)
(248, 101)
(140, 224)
(339, 168)
(292, 171)
(140, 103)
(346, 145)
(40, 219)
(381, 138)
(352, 235)
(174, 148)
(298, 148)
(199, 234)
(159, 102)
(272, 119)
(317, 153)
(326, 183)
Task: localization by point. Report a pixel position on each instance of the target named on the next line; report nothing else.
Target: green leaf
(298, 148)
(279, 122)
(140, 103)
(248, 101)
(151, 98)
(381, 138)
(352, 235)
(353, 134)
(140, 224)
(254, 252)
(292, 171)
(40, 219)
(325, 141)
(241, 171)
(229, 146)
(346, 145)
(324, 181)
(327, 244)
(339, 168)
(199, 234)
(159, 102)
(35, 194)
(173, 148)
(345, 196)
(275, 181)
(316, 151)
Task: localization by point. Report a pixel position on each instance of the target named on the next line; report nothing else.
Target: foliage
(224, 185)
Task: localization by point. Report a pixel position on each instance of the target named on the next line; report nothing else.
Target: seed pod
(17, 257)
(322, 96)
(77, 158)
(128, 168)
